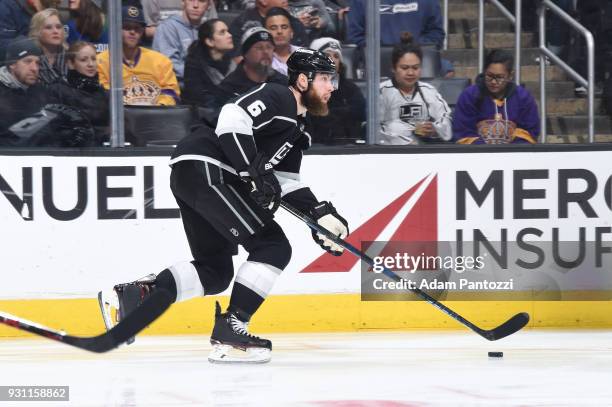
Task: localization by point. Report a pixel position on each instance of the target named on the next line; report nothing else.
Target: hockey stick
(509, 327)
(136, 321)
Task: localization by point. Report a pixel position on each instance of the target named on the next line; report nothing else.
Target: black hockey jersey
(263, 119)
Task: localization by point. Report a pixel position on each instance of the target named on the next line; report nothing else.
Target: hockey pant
(218, 217)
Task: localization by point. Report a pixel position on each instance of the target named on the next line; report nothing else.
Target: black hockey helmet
(309, 62)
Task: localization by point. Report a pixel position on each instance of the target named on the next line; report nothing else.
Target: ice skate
(232, 342)
(123, 299)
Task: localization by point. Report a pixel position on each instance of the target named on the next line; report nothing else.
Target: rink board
(75, 224)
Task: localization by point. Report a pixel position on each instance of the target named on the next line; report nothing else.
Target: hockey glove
(325, 214)
(265, 189)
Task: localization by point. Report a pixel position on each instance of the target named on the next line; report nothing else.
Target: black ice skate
(232, 343)
(123, 299)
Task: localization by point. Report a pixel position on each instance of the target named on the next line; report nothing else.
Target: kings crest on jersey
(263, 119)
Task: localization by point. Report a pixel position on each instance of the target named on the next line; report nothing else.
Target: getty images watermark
(409, 263)
(487, 271)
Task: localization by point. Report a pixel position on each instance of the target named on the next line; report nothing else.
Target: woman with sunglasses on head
(411, 111)
(495, 110)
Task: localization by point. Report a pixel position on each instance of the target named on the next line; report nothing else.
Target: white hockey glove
(325, 214)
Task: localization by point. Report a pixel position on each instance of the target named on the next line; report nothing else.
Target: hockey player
(228, 182)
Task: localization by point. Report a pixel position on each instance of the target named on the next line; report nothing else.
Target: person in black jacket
(255, 17)
(347, 106)
(81, 89)
(208, 62)
(255, 69)
(27, 118)
(21, 96)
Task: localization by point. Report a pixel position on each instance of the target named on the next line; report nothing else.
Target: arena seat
(349, 55)
(227, 16)
(450, 89)
(157, 125)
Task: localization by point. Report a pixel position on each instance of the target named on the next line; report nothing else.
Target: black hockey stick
(136, 321)
(509, 327)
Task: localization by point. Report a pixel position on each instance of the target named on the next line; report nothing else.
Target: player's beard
(313, 102)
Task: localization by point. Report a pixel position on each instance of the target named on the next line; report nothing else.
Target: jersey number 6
(256, 108)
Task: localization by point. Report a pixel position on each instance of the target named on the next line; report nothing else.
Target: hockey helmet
(309, 62)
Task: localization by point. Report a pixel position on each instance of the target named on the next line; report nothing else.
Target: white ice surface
(365, 369)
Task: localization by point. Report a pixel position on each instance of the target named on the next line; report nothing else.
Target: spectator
(15, 18)
(314, 16)
(20, 93)
(558, 34)
(87, 23)
(25, 118)
(278, 23)
(256, 67)
(47, 31)
(208, 63)
(592, 15)
(422, 18)
(175, 34)
(82, 89)
(495, 110)
(254, 17)
(156, 11)
(148, 77)
(411, 112)
(347, 106)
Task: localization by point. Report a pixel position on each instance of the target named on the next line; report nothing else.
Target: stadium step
(577, 125)
(528, 73)
(554, 89)
(568, 106)
(577, 138)
(469, 10)
(492, 40)
(469, 57)
(492, 24)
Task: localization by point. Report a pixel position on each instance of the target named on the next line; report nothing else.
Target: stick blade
(151, 309)
(514, 324)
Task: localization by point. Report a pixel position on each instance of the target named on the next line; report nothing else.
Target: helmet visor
(331, 77)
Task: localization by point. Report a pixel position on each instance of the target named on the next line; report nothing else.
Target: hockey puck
(496, 354)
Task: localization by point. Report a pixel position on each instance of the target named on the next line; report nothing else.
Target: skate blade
(228, 354)
(106, 308)
(109, 304)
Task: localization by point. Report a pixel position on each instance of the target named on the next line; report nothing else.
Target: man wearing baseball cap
(20, 93)
(256, 67)
(148, 76)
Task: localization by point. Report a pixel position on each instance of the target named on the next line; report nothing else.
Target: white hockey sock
(188, 283)
(259, 277)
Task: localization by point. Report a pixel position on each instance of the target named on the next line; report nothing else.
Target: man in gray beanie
(20, 94)
(255, 68)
